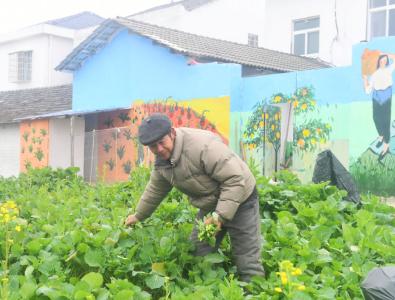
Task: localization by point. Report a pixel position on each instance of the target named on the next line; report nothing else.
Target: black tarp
(329, 168)
(379, 284)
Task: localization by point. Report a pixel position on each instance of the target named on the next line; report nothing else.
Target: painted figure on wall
(379, 83)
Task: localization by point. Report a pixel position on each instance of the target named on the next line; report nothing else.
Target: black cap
(153, 128)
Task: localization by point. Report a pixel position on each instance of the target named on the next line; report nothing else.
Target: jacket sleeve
(155, 191)
(225, 167)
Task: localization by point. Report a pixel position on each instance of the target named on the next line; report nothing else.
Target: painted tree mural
(264, 124)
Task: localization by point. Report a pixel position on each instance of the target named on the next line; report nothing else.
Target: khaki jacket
(205, 169)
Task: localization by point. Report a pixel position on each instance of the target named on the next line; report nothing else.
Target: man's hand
(211, 220)
(131, 220)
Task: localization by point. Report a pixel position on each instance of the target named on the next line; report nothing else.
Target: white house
(30, 55)
(240, 21)
(324, 29)
(29, 84)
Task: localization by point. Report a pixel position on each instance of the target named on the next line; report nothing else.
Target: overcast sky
(16, 14)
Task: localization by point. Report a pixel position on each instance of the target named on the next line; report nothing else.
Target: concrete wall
(60, 143)
(9, 150)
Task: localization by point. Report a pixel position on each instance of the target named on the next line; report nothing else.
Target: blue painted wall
(132, 68)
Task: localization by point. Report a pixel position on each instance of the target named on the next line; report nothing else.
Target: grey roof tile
(30, 102)
(191, 45)
(78, 21)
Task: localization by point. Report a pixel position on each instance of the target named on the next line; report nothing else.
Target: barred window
(20, 66)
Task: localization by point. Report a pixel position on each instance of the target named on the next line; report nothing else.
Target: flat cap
(153, 128)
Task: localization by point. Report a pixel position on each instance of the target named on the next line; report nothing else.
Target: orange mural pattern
(119, 150)
(34, 137)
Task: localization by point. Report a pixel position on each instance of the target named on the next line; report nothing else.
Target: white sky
(16, 14)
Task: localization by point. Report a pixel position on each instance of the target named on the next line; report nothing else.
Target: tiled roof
(78, 21)
(30, 102)
(191, 45)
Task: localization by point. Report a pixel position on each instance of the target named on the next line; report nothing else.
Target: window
(381, 18)
(306, 36)
(20, 66)
(252, 40)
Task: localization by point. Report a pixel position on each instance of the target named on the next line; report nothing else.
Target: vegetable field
(64, 239)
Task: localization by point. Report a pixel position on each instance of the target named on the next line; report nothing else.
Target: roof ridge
(216, 39)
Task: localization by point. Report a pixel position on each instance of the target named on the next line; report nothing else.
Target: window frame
(387, 8)
(305, 32)
(253, 40)
(20, 65)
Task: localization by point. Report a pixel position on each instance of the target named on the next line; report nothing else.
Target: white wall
(60, 143)
(230, 20)
(335, 47)
(9, 150)
(48, 51)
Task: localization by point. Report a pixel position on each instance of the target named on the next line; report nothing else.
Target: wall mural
(34, 137)
(118, 148)
(374, 170)
(264, 128)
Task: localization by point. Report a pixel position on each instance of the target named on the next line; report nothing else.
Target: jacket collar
(178, 145)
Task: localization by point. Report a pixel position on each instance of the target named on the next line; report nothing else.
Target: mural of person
(380, 85)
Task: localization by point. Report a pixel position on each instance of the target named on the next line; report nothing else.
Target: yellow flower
(306, 132)
(18, 228)
(278, 290)
(261, 124)
(286, 264)
(263, 116)
(322, 141)
(7, 218)
(301, 287)
(273, 127)
(313, 102)
(278, 135)
(295, 103)
(284, 279)
(313, 141)
(297, 272)
(277, 99)
(255, 127)
(304, 106)
(266, 116)
(276, 117)
(251, 135)
(328, 125)
(3, 210)
(245, 135)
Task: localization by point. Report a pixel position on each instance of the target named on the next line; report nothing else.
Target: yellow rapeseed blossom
(301, 287)
(304, 106)
(278, 135)
(296, 272)
(295, 103)
(313, 141)
(251, 135)
(277, 99)
(278, 290)
(273, 127)
(261, 124)
(18, 228)
(284, 279)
